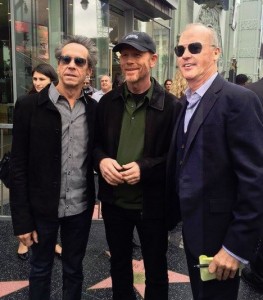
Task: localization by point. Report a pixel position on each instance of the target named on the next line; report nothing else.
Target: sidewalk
(97, 283)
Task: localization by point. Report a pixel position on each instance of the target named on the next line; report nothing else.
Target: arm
(19, 194)
(245, 142)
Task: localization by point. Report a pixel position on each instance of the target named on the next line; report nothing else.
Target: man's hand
(110, 171)
(224, 265)
(28, 238)
(131, 173)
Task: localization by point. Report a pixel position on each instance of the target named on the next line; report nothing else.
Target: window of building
(5, 63)
(91, 18)
(37, 30)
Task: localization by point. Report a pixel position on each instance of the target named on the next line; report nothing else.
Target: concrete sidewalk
(97, 283)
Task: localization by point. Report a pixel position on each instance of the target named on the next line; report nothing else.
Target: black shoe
(23, 256)
(252, 280)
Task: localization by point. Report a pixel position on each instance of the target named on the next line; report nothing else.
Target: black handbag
(4, 169)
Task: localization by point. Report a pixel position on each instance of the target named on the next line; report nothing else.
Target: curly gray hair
(84, 41)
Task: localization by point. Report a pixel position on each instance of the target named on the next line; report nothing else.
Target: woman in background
(179, 85)
(42, 75)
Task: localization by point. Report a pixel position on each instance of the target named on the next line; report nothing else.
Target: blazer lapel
(206, 104)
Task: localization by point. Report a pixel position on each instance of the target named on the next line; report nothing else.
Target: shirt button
(68, 172)
(133, 118)
(67, 206)
(182, 147)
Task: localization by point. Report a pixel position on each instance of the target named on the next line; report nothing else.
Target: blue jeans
(74, 232)
(119, 226)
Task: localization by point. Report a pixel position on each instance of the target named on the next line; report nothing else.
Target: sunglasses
(65, 60)
(193, 48)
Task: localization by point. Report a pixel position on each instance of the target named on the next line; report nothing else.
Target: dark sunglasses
(193, 48)
(65, 60)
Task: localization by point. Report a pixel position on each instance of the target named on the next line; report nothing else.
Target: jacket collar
(207, 102)
(158, 96)
(43, 96)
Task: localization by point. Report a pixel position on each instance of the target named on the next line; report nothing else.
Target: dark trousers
(119, 226)
(212, 289)
(74, 232)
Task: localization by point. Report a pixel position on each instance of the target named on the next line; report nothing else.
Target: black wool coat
(36, 160)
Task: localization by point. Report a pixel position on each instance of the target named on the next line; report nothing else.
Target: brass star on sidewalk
(139, 278)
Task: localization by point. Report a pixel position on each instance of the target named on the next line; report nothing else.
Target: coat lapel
(206, 104)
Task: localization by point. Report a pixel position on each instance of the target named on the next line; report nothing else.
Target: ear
(153, 60)
(217, 53)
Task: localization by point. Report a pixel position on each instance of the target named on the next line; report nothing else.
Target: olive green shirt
(131, 146)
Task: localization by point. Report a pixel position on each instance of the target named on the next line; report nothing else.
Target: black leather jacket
(161, 113)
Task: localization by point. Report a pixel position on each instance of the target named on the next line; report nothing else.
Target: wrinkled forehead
(105, 78)
(195, 34)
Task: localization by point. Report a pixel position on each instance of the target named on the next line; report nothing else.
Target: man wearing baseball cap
(134, 127)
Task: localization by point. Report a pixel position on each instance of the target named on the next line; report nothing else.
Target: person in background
(52, 179)
(179, 85)
(118, 80)
(257, 87)
(241, 79)
(215, 168)
(167, 85)
(133, 132)
(105, 85)
(42, 75)
(88, 89)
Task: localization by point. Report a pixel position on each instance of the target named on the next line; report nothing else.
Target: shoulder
(256, 87)
(229, 90)
(26, 100)
(234, 99)
(98, 93)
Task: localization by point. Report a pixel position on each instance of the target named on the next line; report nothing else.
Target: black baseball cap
(138, 40)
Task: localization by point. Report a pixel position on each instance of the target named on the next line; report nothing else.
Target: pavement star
(139, 278)
(9, 287)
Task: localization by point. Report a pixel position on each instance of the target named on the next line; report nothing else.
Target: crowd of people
(190, 151)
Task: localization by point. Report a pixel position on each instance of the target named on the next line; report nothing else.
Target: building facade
(31, 29)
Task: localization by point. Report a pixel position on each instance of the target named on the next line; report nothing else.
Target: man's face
(168, 85)
(72, 70)
(86, 83)
(105, 83)
(136, 65)
(197, 68)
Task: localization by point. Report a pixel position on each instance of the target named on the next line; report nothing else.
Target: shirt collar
(127, 94)
(203, 88)
(54, 94)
